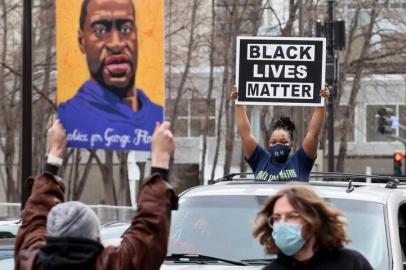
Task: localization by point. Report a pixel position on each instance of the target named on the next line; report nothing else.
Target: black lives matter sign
(280, 71)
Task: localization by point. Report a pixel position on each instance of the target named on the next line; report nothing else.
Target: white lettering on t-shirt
(281, 176)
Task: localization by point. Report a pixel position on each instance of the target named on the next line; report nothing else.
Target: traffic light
(397, 163)
(385, 120)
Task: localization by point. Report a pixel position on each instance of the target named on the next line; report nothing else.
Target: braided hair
(285, 123)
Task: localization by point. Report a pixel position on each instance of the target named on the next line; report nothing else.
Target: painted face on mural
(109, 40)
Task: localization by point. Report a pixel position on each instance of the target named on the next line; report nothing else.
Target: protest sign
(110, 62)
(280, 71)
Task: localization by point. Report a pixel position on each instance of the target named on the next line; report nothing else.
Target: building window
(372, 125)
(191, 117)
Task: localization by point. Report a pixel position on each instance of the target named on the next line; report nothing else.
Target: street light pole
(334, 31)
(331, 63)
(26, 98)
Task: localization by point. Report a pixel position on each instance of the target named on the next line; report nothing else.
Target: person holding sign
(276, 163)
(109, 111)
(55, 234)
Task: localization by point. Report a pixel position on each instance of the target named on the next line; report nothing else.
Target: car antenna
(350, 187)
(393, 183)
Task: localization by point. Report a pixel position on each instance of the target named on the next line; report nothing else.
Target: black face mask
(280, 152)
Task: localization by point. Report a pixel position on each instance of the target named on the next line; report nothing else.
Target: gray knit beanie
(73, 219)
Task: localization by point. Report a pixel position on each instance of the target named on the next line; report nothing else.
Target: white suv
(213, 227)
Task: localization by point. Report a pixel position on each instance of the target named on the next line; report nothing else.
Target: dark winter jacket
(144, 245)
(343, 259)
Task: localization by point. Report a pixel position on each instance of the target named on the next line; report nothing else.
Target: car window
(218, 226)
(402, 230)
(7, 264)
(114, 230)
(221, 226)
(366, 229)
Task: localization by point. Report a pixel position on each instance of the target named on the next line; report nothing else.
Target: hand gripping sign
(280, 71)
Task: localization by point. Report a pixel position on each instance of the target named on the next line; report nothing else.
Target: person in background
(305, 232)
(276, 163)
(65, 235)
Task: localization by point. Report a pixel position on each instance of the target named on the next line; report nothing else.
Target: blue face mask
(288, 237)
(280, 152)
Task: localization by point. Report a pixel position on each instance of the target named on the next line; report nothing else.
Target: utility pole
(331, 80)
(300, 122)
(334, 31)
(26, 98)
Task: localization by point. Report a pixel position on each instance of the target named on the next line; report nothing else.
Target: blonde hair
(325, 222)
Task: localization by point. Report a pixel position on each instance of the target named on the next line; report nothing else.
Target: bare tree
(124, 188)
(362, 60)
(209, 90)
(106, 170)
(286, 29)
(10, 105)
(44, 65)
(240, 18)
(77, 176)
(227, 62)
(187, 63)
(183, 23)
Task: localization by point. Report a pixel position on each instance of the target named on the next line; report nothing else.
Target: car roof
(373, 192)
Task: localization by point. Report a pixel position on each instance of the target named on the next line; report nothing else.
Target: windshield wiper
(198, 258)
(258, 261)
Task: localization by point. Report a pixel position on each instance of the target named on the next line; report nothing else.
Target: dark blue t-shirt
(298, 166)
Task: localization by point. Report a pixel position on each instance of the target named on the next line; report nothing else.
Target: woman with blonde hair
(305, 232)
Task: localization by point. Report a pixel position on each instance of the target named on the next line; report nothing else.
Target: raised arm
(144, 245)
(311, 140)
(249, 143)
(162, 146)
(47, 191)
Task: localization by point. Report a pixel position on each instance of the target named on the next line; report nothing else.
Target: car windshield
(221, 226)
(218, 226)
(113, 230)
(366, 229)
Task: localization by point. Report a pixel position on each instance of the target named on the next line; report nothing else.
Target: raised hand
(57, 139)
(325, 92)
(234, 93)
(163, 145)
